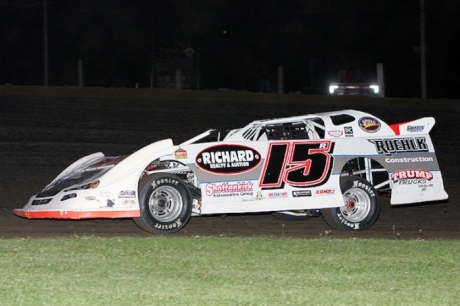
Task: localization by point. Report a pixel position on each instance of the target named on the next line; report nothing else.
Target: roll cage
(308, 128)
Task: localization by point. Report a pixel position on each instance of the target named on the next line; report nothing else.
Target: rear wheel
(361, 206)
(165, 204)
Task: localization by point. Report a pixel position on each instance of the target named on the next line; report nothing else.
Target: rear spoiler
(419, 126)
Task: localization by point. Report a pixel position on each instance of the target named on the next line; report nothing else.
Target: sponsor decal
(128, 202)
(411, 174)
(258, 197)
(301, 193)
(228, 159)
(335, 133)
(358, 184)
(415, 128)
(127, 194)
(298, 164)
(413, 177)
(90, 198)
(328, 191)
(348, 131)
(180, 154)
(369, 124)
(400, 145)
(229, 189)
(282, 194)
(419, 159)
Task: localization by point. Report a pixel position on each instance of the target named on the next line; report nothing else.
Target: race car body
(336, 164)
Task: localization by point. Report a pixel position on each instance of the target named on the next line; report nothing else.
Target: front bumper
(75, 214)
(82, 204)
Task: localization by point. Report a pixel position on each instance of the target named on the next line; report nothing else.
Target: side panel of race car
(264, 176)
(409, 158)
(304, 174)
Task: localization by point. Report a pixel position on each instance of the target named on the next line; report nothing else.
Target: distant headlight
(375, 88)
(91, 185)
(332, 88)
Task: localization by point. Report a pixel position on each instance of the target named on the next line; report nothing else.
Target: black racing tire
(165, 204)
(289, 217)
(361, 206)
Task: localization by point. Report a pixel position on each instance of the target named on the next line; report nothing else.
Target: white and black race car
(337, 164)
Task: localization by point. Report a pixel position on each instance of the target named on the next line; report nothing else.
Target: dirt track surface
(42, 132)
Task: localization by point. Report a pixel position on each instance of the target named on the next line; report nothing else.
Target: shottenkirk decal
(369, 124)
(180, 154)
(400, 145)
(229, 189)
(300, 164)
(228, 159)
(412, 177)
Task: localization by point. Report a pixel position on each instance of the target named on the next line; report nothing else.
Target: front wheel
(165, 204)
(361, 206)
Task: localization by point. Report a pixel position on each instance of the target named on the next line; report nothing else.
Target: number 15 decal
(299, 164)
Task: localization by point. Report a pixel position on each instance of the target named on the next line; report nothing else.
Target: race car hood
(87, 171)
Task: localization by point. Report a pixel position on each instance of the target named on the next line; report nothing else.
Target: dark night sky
(307, 37)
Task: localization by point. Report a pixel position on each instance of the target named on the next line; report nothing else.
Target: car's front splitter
(76, 214)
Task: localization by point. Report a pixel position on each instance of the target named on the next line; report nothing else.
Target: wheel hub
(165, 204)
(356, 205)
(159, 203)
(350, 204)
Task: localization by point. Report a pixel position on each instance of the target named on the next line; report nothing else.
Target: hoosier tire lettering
(367, 187)
(177, 223)
(162, 181)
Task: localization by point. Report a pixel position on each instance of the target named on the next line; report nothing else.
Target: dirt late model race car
(336, 164)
